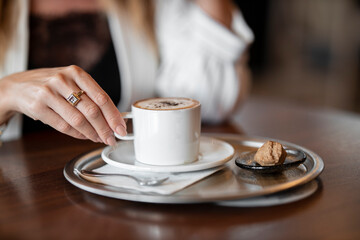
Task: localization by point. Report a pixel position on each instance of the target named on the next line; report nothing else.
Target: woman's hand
(41, 94)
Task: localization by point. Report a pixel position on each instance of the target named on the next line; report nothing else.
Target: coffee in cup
(166, 130)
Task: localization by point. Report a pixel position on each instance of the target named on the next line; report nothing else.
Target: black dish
(293, 159)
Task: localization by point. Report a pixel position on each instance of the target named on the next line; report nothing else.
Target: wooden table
(36, 201)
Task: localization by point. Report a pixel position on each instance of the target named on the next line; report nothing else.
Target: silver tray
(230, 183)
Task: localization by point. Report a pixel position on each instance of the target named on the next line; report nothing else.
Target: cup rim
(167, 110)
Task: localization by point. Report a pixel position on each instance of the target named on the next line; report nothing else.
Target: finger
(100, 98)
(72, 116)
(94, 115)
(65, 86)
(53, 119)
(89, 110)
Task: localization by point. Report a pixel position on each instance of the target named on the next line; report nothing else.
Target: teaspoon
(145, 181)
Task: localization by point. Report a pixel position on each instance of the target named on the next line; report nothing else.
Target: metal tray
(230, 183)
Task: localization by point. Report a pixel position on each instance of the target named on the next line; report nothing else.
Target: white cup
(166, 130)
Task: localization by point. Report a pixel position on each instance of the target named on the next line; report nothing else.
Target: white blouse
(199, 58)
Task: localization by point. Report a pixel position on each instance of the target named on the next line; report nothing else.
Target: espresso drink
(166, 103)
(166, 130)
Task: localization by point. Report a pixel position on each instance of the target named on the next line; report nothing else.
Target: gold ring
(74, 98)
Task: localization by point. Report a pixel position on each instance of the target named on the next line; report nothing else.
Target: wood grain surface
(36, 201)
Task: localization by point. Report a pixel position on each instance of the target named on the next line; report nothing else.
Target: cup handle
(129, 136)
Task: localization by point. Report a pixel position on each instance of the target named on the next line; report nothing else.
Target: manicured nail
(111, 141)
(121, 130)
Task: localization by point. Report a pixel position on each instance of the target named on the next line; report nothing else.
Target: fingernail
(111, 141)
(121, 130)
(99, 140)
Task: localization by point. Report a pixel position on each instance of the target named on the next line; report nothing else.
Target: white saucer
(213, 153)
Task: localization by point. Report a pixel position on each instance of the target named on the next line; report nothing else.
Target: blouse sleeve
(200, 58)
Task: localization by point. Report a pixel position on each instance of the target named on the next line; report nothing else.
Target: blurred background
(306, 51)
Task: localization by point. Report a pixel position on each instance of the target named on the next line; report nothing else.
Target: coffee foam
(166, 103)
